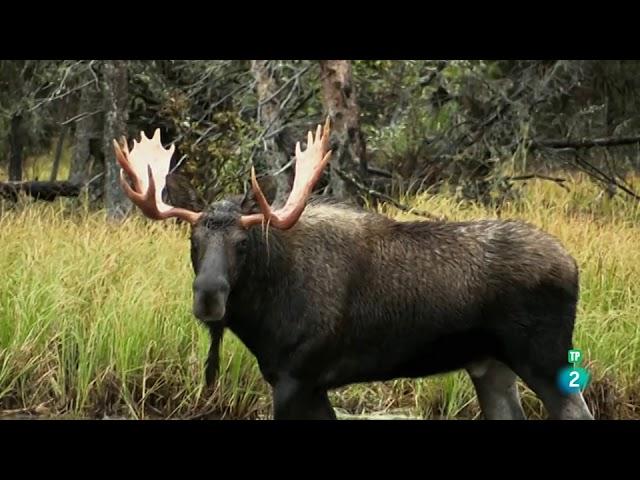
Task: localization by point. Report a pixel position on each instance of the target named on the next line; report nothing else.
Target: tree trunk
(87, 128)
(56, 160)
(16, 143)
(115, 123)
(268, 116)
(349, 148)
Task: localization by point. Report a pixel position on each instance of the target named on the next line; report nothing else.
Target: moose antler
(150, 157)
(308, 169)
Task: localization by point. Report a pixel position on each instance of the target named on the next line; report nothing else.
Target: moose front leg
(293, 400)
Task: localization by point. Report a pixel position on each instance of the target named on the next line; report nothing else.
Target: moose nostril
(209, 307)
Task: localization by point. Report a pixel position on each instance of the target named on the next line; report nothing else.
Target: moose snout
(210, 299)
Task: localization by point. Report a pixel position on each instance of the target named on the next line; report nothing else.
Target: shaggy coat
(348, 296)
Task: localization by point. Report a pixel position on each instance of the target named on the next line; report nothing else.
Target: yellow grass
(95, 317)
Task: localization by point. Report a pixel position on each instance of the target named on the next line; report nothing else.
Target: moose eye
(242, 245)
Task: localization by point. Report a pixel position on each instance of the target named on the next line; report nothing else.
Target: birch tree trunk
(268, 115)
(87, 128)
(115, 126)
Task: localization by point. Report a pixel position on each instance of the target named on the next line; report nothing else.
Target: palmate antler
(147, 165)
(308, 169)
(150, 157)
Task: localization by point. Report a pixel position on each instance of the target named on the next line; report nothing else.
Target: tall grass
(95, 316)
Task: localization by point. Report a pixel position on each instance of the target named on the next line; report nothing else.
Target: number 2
(575, 377)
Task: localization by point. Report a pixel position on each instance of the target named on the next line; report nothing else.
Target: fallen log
(47, 191)
(585, 142)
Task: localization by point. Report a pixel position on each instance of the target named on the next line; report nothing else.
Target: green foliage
(429, 122)
(194, 103)
(215, 163)
(39, 91)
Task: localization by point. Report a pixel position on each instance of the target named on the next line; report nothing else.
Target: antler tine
(308, 169)
(148, 154)
(122, 155)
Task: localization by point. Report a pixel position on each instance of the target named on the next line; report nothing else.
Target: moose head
(219, 232)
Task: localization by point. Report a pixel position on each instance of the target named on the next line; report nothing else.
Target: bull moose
(324, 294)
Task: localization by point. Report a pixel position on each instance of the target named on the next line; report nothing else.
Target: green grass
(95, 316)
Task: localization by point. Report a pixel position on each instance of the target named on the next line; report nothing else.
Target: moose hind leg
(497, 391)
(539, 336)
(539, 371)
(538, 362)
(559, 405)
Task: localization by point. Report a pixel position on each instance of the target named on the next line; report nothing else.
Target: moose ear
(269, 188)
(179, 193)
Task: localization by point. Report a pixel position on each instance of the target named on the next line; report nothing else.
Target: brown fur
(452, 263)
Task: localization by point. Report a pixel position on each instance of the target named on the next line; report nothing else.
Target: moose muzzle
(210, 299)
